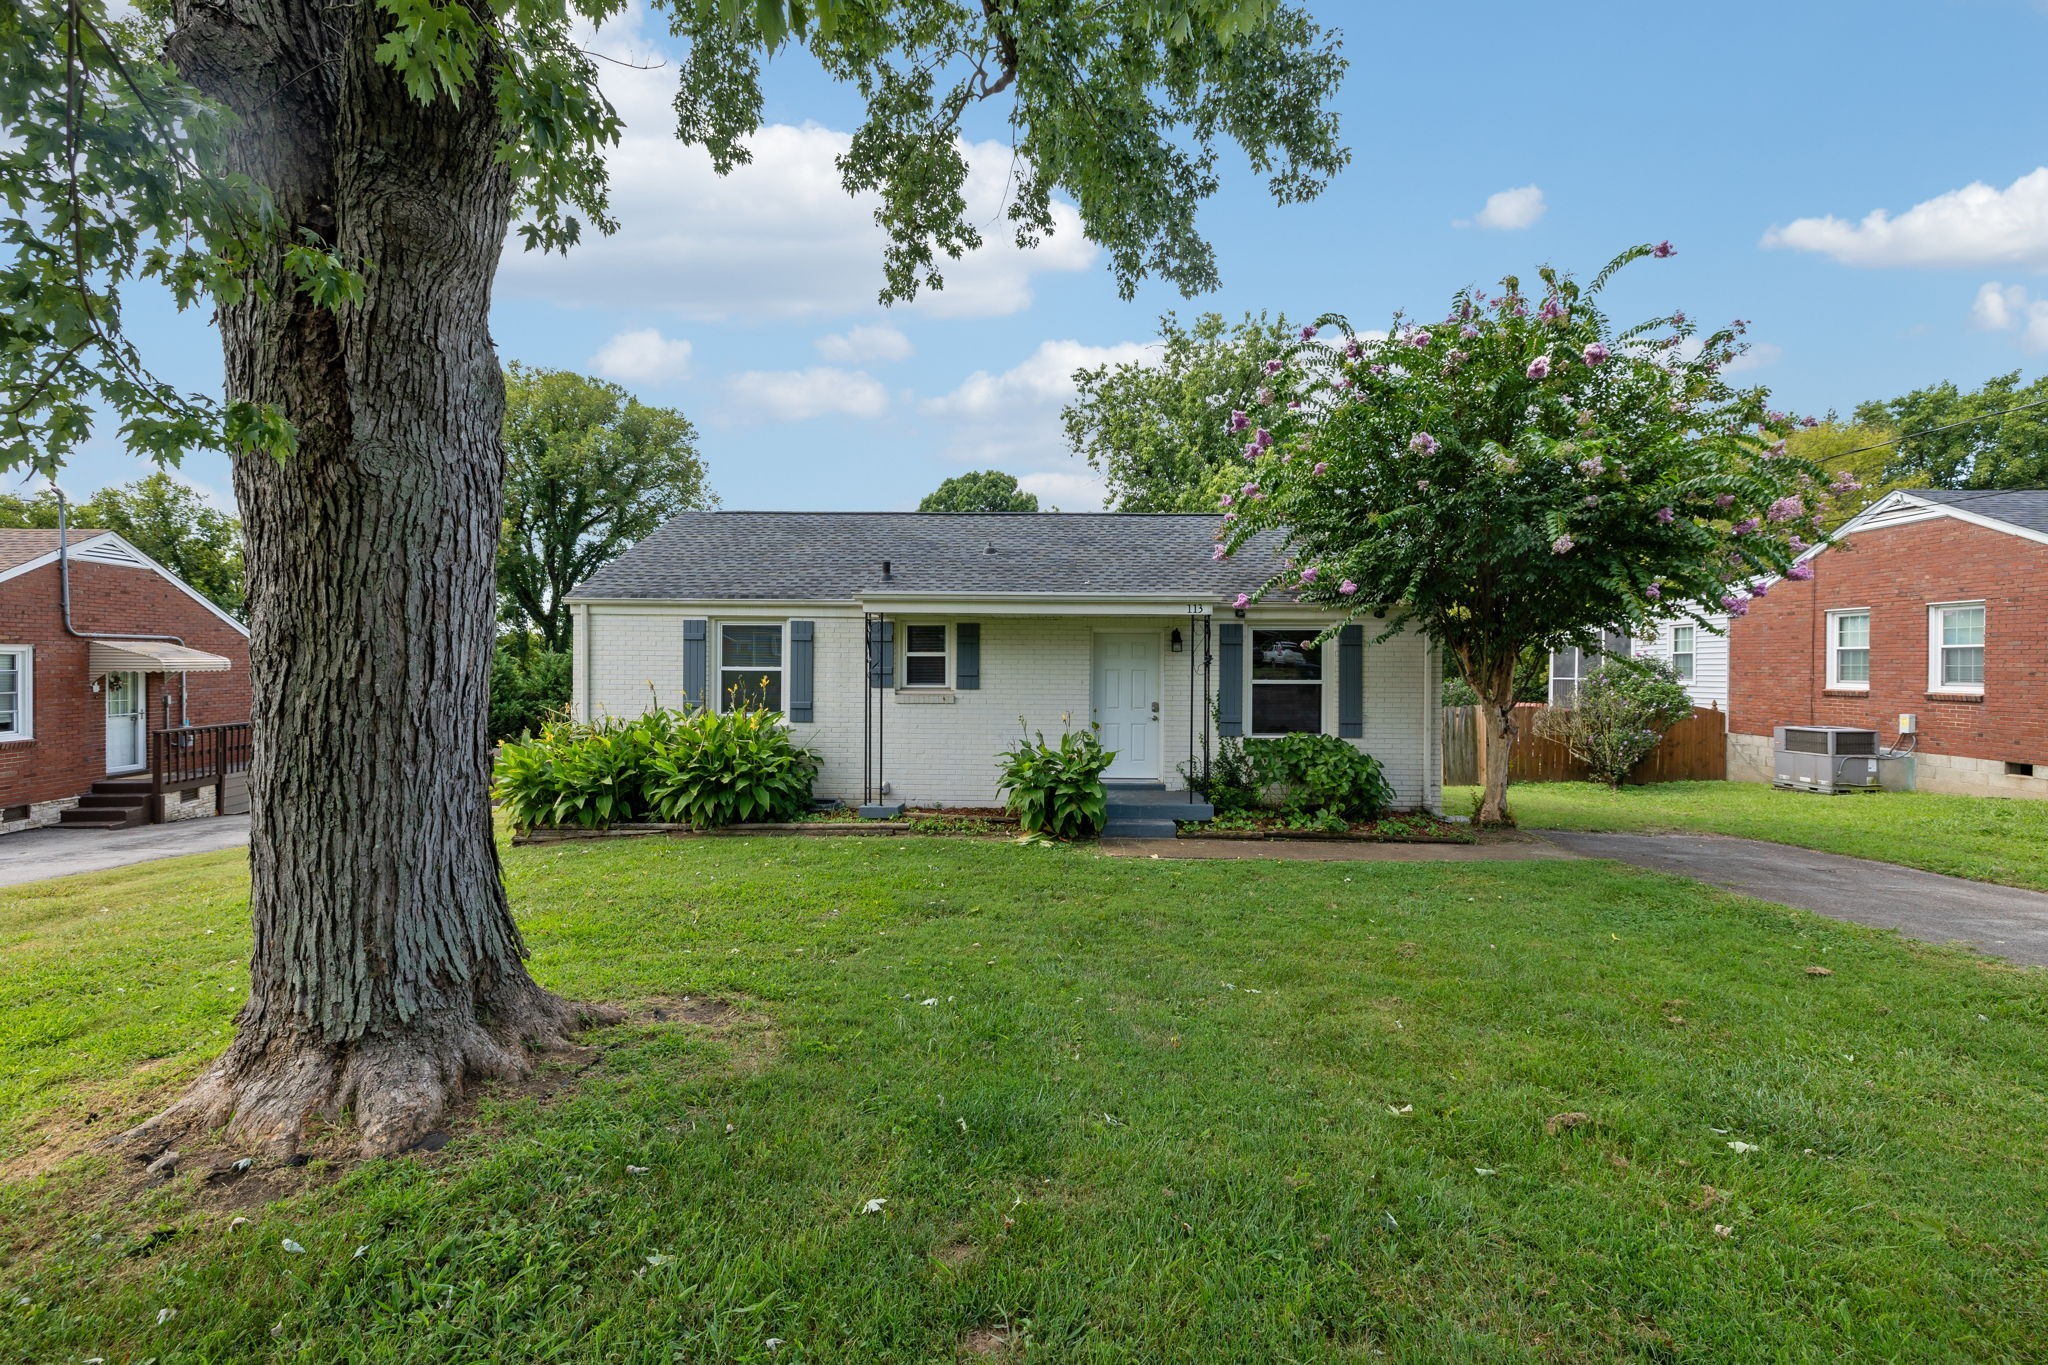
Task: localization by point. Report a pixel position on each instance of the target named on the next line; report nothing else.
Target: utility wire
(1904, 437)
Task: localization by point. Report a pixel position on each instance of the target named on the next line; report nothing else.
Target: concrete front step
(1140, 829)
(101, 817)
(1180, 808)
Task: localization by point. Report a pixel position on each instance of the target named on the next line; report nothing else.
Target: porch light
(1174, 642)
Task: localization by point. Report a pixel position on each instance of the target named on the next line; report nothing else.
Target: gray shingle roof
(837, 556)
(2022, 507)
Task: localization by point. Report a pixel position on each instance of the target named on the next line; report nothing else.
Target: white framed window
(1849, 649)
(1287, 682)
(925, 656)
(1683, 654)
(750, 662)
(1955, 647)
(17, 692)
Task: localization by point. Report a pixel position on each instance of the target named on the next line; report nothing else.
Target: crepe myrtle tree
(1519, 474)
(336, 180)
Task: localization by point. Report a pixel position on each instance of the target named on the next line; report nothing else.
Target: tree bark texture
(1494, 682)
(387, 972)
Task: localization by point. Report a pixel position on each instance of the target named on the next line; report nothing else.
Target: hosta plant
(1056, 789)
(729, 767)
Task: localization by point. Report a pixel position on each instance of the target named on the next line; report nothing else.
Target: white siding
(940, 746)
(1709, 685)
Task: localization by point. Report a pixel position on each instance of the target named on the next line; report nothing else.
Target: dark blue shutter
(967, 661)
(803, 652)
(1351, 682)
(693, 662)
(881, 654)
(1230, 691)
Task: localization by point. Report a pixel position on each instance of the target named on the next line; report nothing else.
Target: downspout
(64, 592)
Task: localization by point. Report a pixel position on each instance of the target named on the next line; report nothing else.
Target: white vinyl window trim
(1684, 651)
(927, 655)
(17, 693)
(740, 665)
(1849, 649)
(1956, 635)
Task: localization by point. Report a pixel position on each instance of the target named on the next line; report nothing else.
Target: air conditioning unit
(1825, 758)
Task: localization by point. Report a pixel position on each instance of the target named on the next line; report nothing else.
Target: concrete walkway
(2001, 920)
(34, 854)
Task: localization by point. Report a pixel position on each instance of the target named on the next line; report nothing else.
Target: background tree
(1156, 430)
(338, 181)
(1619, 717)
(1518, 476)
(164, 519)
(589, 470)
(1866, 451)
(1951, 440)
(985, 490)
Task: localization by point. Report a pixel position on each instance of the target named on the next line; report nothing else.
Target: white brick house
(905, 647)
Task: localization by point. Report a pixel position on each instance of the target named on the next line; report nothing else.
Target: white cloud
(2009, 308)
(1759, 354)
(874, 345)
(778, 238)
(642, 357)
(1068, 492)
(1039, 385)
(1977, 225)
(1509, 210)
(799, 395)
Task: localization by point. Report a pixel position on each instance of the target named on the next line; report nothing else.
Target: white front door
(124, 722)
(1127, 701)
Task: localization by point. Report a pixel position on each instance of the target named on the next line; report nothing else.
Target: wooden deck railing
(196, 756)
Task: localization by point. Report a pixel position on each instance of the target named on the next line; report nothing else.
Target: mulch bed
(836, 826)
(1376, 832)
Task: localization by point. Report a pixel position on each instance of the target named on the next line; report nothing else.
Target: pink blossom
(1251, 450)
(1243, 600)
(1539, 368)
(1275, 366)
(1308, 575)
(1739, 609)
(1551, 310)
(1592, 466)
(1321, 468)
(1239, 419)
(1785, 509)
(1468, 331)
(1760, 590)
(1654, 592)
(1352, 350)
(1725, 501)
(1592, 500)
(1730, 601)
(1800, 572)
(1665, 516)
(1799, 546)
(1225, 500)
(1845, 482)
(1422, 443)
(1419, 338)
(1562, 545)
(1809, 421)
(1264, 397)
(1249, 489)
(1229, 517)
(1663, 251)
(1594, 353)
(1776, 448)
(1347, 587)
(1746, 526)
(1221, 551)
(1262, 438)
(1308, 334)
(1377, 369)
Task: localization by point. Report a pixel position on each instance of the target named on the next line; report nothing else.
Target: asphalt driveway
(33, 854)
(2001, 920)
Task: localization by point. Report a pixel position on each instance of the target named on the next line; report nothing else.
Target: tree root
(394, 1083)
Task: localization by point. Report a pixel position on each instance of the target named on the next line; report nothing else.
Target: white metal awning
(151, 656)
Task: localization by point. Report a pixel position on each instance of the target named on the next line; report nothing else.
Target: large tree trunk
(387, 972)
(1495, 685)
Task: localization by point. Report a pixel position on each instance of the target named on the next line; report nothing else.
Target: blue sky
(1759, 138)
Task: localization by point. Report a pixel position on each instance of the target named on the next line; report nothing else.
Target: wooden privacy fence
(1694, 750)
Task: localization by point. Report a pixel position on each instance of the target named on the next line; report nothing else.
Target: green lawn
(1120, 1109)
(1992, 839)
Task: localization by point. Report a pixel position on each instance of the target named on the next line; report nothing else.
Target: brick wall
(1897, 572)
(940, 746)
(69, 750)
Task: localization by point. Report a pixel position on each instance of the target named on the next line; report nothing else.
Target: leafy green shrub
(1624, 707)
(529, 687)
(1301, 775)
(731, 766)
(686, 767)
(1056, 789)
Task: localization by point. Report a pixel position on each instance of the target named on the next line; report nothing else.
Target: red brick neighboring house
(1933, 603)
(75, 711)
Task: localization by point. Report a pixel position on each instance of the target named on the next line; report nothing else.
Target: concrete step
(100, 817)
(1140, 829)
(114, 801)
(1170, 806)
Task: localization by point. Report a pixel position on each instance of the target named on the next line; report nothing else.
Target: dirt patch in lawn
(151, 1192)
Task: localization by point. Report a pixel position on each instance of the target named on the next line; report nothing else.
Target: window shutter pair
(801, 665)
(966, 664)
(1350, 680)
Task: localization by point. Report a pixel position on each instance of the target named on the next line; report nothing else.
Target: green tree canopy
(1156, 429)
(589, 470)
(1865, 452)
(1519, 475)
(1952, 439)
(161, 517)
(985, 490)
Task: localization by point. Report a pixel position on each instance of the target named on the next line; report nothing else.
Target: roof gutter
(64, 598)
